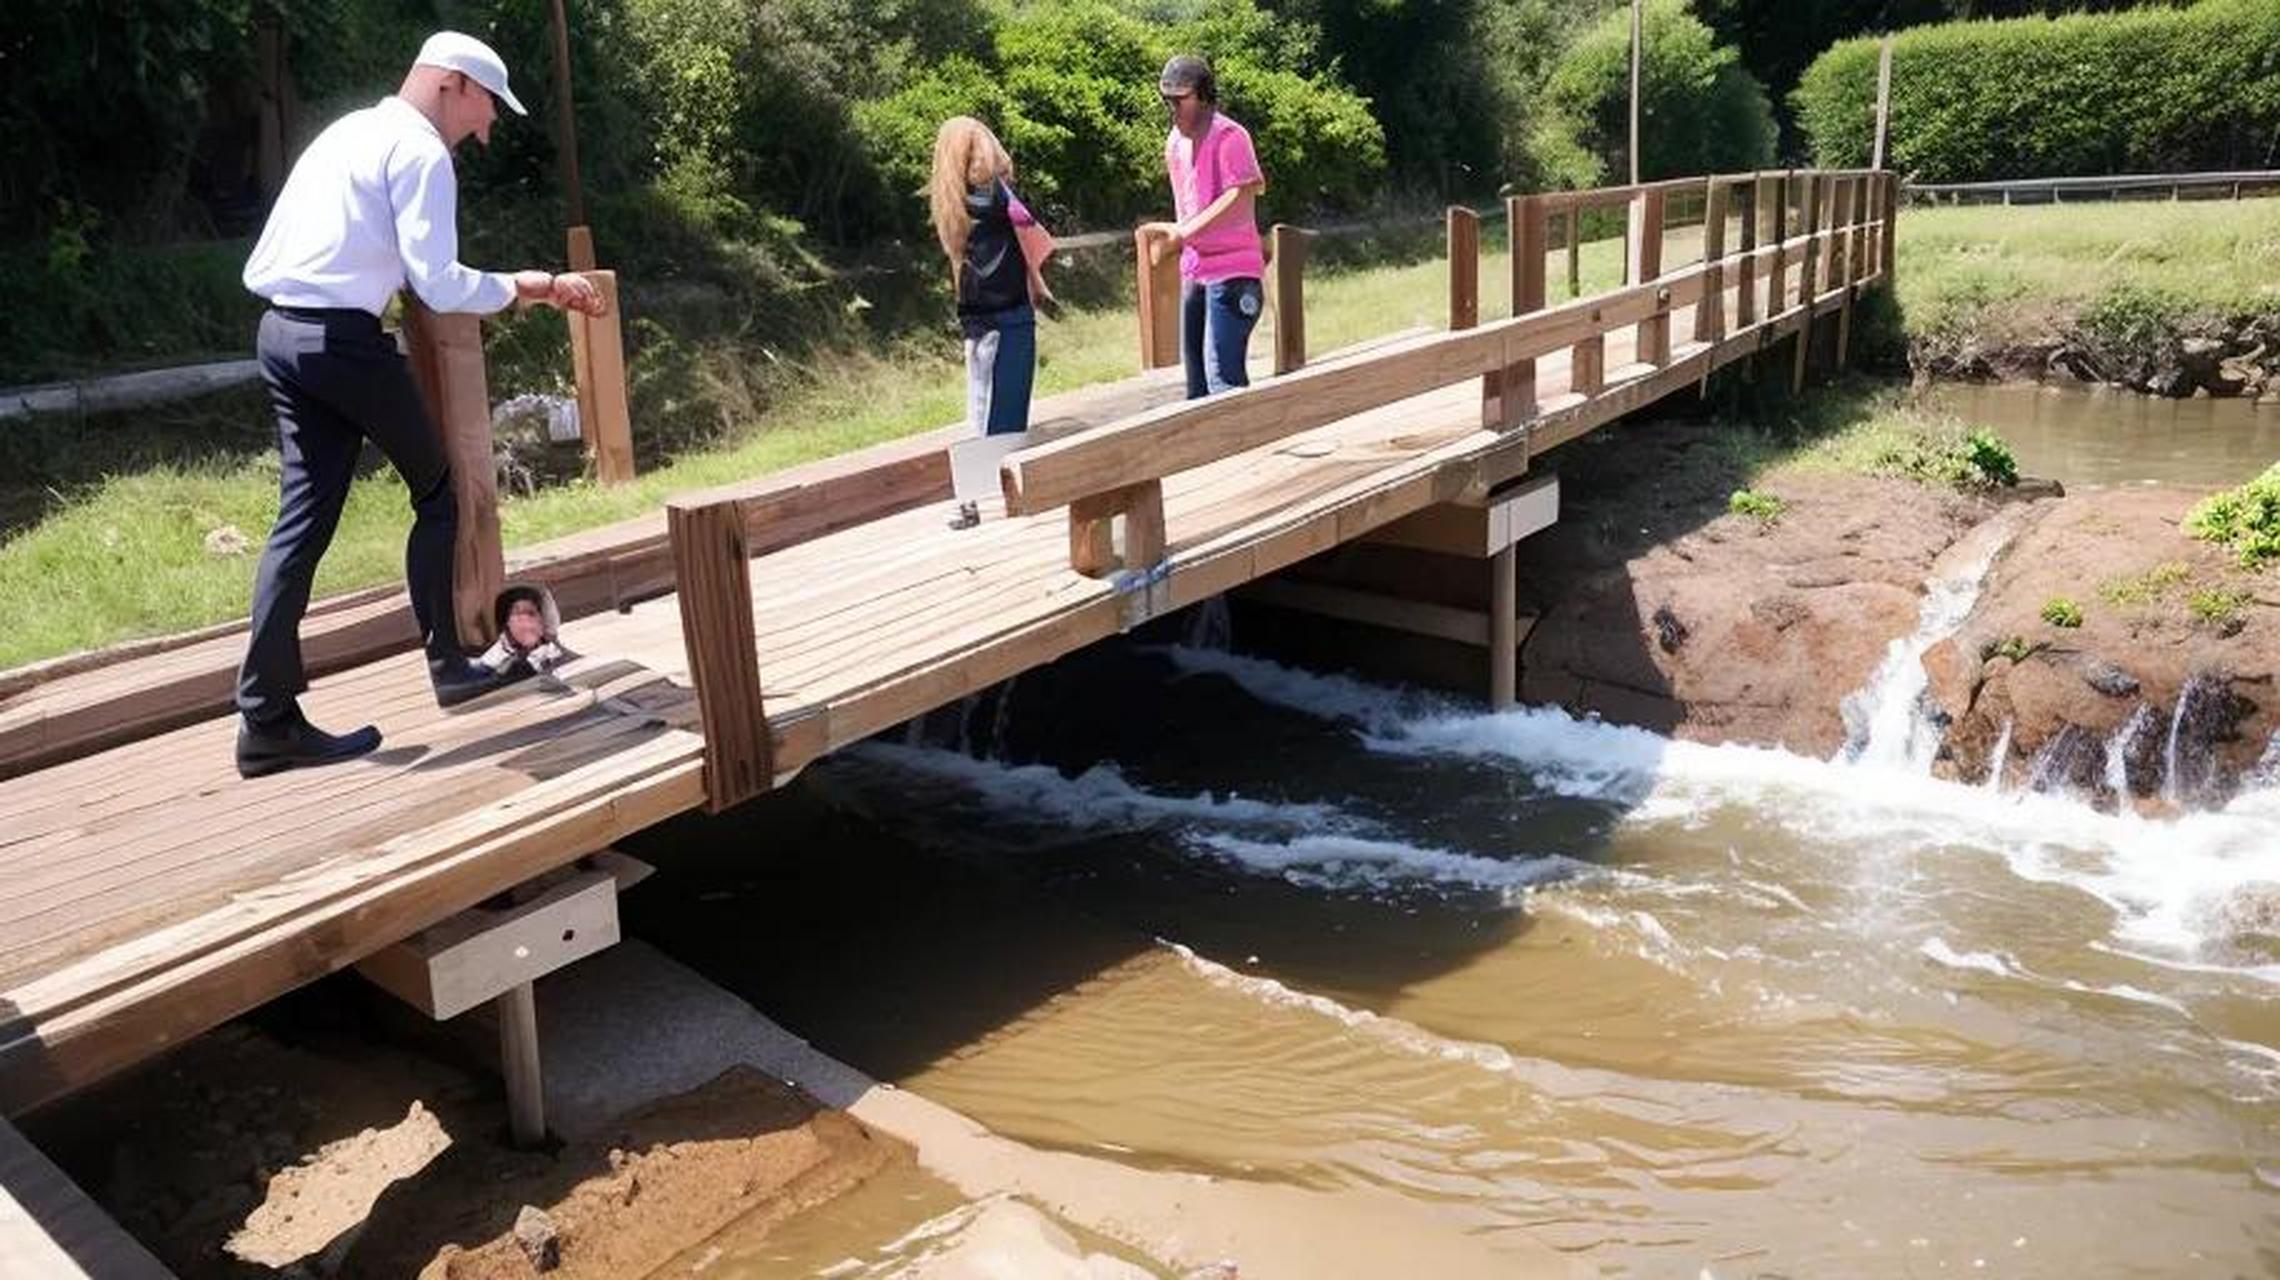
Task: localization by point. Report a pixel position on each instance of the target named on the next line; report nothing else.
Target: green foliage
(2059, 611)
(2146, 588)
(2218, 607)
(2148, 90)
(2246, 519)
(1071, 89)
(2016, 648)
(1945, 456)
(1700, 111)
(1987, 460)
(1764, 508)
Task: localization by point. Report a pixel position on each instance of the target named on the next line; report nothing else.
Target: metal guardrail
(2055, 190)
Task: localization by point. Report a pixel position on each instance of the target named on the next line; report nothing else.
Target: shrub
(2059, 611)
(1761, 507)
(2145, 588)
(1699, 110)
(2217, 606)
(1987, 459)
(2246, 519)
(2148, 90)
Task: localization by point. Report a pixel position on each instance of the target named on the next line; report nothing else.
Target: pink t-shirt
(1228, 249)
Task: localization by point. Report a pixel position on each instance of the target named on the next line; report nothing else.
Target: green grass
(1999, 275)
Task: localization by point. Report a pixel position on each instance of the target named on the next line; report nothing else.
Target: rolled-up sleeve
(425, 194)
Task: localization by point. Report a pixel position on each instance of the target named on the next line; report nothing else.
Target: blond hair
(966, 155)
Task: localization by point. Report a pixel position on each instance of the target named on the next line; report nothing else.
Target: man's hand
(569, 292)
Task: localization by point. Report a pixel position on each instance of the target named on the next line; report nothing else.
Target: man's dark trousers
(336, 379)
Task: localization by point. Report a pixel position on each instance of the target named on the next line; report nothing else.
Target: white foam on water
(1350, 862)
(1885, 721)
(2155, 874)
(1937, 950)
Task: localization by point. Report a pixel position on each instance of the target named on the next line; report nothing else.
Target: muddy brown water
(1681, 1010)
(2098, 436)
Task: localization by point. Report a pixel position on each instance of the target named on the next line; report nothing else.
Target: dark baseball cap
(1183, 74)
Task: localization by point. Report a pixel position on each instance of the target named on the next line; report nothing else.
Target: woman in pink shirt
(1215, 187)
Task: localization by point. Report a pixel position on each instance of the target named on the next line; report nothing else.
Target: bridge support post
(447, 362)
(518, 1062)
(1503, 629)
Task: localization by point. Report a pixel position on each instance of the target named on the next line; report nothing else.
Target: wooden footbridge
(147, 894)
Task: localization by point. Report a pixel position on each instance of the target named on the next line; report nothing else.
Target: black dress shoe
(458, 680)
(294, 743)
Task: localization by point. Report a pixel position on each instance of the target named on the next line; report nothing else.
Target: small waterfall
(1001, 719)
(1889, 722)
(1210, 627)
(2000, 757)
(2265, 774)
(2070, 764)
(2201, 718)
(2119, 748)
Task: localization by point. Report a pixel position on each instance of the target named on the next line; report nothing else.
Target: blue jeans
(1215, 332)
(1001, 368)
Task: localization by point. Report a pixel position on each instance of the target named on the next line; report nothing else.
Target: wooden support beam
(1587, 366)
(1574, 221)
(1887, 248)
(1478, 529)
(1289, 247)
(447, 362)
(1093, 548)
(1159, 293)
(1371, 609)
(580, 243)
(1464, 267)
(1646, 266)
(1710, 313)
(597, 348)
(1503, 630)
(480, 954)
(712, 567)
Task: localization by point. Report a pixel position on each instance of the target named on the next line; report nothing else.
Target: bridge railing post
(1710, 312)
(713, 576)
(1746, 274)
(1464, 267)
(1887, 242)
(1777, 234)
(1287, 244)
(446, 353)
(1514, 401)
(1808, 263)
(1646, 250)
(1845, 248)
(1159, 293)
(597, 358)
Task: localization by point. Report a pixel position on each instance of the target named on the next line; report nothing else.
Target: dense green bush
(1071, 88)
(2147, 90)
(2246, 519)
(1699, 110)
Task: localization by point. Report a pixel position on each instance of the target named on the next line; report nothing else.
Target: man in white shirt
(371, 207)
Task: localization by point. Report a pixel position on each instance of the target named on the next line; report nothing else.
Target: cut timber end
(479, 955)
(712, 567)
(1479, 530)
(597, 349)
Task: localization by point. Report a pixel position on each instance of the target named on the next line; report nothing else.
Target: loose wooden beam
(447, 362)
(597, 347)
(712, 566)
(1159, 293)
(1289, 244)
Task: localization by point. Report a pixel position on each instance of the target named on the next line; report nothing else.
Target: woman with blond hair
(995, 249)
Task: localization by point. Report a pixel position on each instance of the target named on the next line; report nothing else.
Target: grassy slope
(127, 556)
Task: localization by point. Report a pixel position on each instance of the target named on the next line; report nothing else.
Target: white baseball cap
(472, 58)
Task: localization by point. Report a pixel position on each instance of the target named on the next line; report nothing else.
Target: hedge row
(2143, 91)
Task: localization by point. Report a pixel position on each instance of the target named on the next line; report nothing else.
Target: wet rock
(2070, 763)
(1670, 633)
(2108, 679)
(539, 1239)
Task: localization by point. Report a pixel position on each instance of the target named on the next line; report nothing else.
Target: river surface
(2100, 436)
(1680, 1010)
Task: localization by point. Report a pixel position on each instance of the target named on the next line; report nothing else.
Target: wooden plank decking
(146, 893)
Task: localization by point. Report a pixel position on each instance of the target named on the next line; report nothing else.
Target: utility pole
(581, 246)
(1883, 100)
(1634, 90)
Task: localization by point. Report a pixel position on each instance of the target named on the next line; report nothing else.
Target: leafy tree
(1700, 111)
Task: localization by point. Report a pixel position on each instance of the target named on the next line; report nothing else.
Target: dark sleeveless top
(995, 278)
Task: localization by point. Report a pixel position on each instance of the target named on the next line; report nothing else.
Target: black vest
(994, 277)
